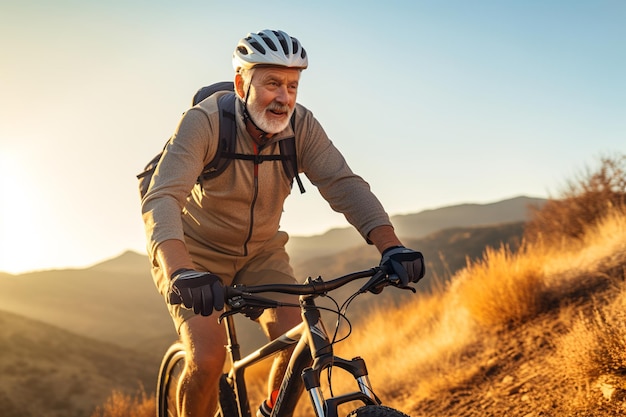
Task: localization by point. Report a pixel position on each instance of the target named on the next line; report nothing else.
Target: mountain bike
(313, 353)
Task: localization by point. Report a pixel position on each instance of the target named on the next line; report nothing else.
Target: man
(225, 230)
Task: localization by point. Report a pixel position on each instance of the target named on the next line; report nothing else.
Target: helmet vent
(283, 42)
(257, 46)
(269, 42)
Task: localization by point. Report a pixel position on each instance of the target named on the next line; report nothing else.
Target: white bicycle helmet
(269, 47)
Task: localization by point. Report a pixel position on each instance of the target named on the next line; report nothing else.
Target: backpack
(226, 147)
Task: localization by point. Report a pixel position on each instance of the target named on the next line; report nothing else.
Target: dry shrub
(592, 356)
(121, 404)
(584, 201)
(611, 335)
(503, 287)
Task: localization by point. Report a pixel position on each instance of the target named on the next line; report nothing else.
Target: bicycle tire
(376, 411)
(169, 374)
(228, 401)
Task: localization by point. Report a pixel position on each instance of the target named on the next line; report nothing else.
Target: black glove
(406, 264)
(201, 291)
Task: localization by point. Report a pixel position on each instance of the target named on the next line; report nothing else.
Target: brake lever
(238, 304)
(226, 314)
(395, 281)
(380, 280)
(376, 283)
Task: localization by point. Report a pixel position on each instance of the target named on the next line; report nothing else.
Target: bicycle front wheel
(171, 370)
(376, 411)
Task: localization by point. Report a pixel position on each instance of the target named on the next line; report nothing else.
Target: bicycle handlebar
(312, 287)
(241, 297)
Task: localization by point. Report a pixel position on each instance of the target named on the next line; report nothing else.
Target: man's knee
(278, 321)
(204, 342)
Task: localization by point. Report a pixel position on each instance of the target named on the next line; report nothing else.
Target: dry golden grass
(121, 404)
(444, 341)
(536, 331)
(504, 288)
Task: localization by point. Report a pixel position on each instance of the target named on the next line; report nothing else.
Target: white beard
(270, 126)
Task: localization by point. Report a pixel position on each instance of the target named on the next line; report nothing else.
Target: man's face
(273, 97)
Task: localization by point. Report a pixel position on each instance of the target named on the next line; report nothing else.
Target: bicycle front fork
(328, 407)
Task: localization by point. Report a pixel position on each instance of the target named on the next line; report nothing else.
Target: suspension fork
(323, 358)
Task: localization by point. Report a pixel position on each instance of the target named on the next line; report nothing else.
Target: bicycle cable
(341, 313)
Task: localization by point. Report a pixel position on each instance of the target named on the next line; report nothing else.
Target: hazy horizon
(122, 251)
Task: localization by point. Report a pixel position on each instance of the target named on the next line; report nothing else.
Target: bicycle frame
(313, 354)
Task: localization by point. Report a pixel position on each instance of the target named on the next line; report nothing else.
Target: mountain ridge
(417, 225)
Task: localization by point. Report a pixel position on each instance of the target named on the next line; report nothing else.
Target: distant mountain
(445, 251)
(50, 372)
(418, 225)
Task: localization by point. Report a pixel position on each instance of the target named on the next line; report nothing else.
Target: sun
(20, 215)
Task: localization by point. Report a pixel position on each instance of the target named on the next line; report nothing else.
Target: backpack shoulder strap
(290, 162)
(227, 137)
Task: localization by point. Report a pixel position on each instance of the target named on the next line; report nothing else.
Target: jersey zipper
(254, 197)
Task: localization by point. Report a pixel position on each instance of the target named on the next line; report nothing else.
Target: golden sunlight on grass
(449, 341)
(536, 331)
(504, 287)
(121, 404)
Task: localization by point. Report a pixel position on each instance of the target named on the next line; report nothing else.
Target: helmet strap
(263, 136)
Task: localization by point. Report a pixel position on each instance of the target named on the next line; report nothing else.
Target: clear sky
(433, 102)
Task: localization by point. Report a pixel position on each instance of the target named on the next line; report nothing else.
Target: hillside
(47, 371)
(537, 334)
(108, 302)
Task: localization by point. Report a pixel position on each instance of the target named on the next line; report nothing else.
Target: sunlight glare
(19, 225)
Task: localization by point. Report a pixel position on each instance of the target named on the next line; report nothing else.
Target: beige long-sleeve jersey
(241, 208)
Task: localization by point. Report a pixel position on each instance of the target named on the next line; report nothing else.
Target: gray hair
(246, 75)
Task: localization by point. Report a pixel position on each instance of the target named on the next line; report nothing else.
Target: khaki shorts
(269, 265)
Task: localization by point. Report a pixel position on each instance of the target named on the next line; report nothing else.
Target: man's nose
(282, 95)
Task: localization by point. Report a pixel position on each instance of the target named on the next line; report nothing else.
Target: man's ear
(239, 86)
